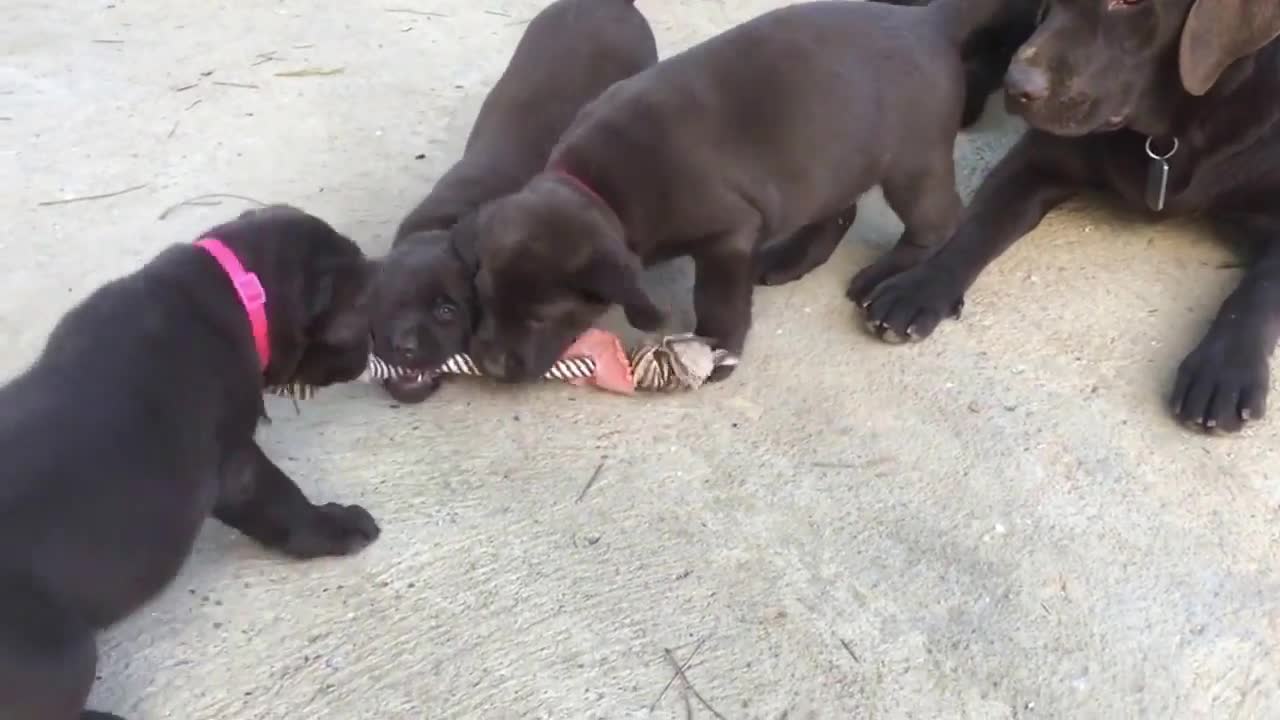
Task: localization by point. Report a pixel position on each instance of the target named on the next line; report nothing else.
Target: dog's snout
(405, 342)
(1026, 84)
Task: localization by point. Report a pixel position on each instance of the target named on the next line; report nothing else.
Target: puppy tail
(958, 19)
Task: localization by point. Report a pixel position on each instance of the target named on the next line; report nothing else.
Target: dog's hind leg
(924, 196)
(48, 657)
(790, 259)
(259, 500)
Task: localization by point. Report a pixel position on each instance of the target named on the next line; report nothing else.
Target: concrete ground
(1001, 522)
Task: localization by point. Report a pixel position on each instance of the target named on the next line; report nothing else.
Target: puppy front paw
(331, 530)
(721, 373)
(909, 306)
(726, 362)
(1222, 385)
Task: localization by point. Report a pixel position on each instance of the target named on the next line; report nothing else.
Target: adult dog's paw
(865, 281)
(909, 306)
(333, 529)
(1223, 383)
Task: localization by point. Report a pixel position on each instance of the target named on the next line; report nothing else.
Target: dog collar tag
(1158, 175)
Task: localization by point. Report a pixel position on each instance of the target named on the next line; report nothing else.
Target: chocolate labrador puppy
(423, 304)
(1174, 107)
(136, 422)
(989, 50)
(770, 130)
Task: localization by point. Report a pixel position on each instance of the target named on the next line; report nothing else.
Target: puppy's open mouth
(406, 385)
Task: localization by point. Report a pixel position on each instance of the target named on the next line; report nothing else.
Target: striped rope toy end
(566, 369)
(677, 362)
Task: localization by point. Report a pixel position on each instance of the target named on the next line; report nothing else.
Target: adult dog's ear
(613, 275)
(1219, 32)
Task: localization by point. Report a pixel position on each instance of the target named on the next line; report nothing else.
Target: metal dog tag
(1158, 176)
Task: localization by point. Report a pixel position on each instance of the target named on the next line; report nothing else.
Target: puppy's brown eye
(1121, 4)
(445, 311)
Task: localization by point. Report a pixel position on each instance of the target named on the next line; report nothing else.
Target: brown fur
(1095, 82)
(768, 132)
(423, 304)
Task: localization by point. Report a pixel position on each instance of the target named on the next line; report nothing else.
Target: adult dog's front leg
(1223, 383)
(259, 500)
(723, 282)
(1038, 173)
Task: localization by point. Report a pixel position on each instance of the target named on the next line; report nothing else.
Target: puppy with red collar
(136, 422)
(423, 306)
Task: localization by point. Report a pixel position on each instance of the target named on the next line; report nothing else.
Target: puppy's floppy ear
(1219, 32)
(613, 274)
(341, 301)
(463, 237)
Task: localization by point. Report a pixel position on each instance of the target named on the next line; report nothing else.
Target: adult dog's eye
(1121, 4)
(445, 311)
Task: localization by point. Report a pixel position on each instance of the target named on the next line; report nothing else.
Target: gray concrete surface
(1002, 522)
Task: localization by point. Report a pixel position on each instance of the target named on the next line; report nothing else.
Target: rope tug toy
(677, 362)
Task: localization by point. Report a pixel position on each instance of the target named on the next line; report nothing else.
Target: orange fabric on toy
(613, 368)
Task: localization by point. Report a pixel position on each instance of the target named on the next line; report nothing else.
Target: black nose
(1026, 84)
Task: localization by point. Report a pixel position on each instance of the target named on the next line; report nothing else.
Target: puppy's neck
(575, 181)
(248, 289)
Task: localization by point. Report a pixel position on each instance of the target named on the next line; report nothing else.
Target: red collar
(247, 286)
(579, 183)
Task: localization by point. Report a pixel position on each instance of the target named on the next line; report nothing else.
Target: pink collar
(248, 288)
(581, 184)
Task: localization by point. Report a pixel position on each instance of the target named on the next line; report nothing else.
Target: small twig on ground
(196, 201)
(848, 649)
(302, 46)
(5, 118)
(499, 13)
(247, 86)
(411, 11)
(311, 72)
(591, 483)
(835, 465)
(265, 57)
(109, 42)
(86, 198)
(688, 685)
(679, 671)
(174, 129)
(181, 88)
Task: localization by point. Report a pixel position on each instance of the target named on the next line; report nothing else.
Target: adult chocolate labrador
(1172, 105)
(771, 130)
(136, 422)
(422, 302)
